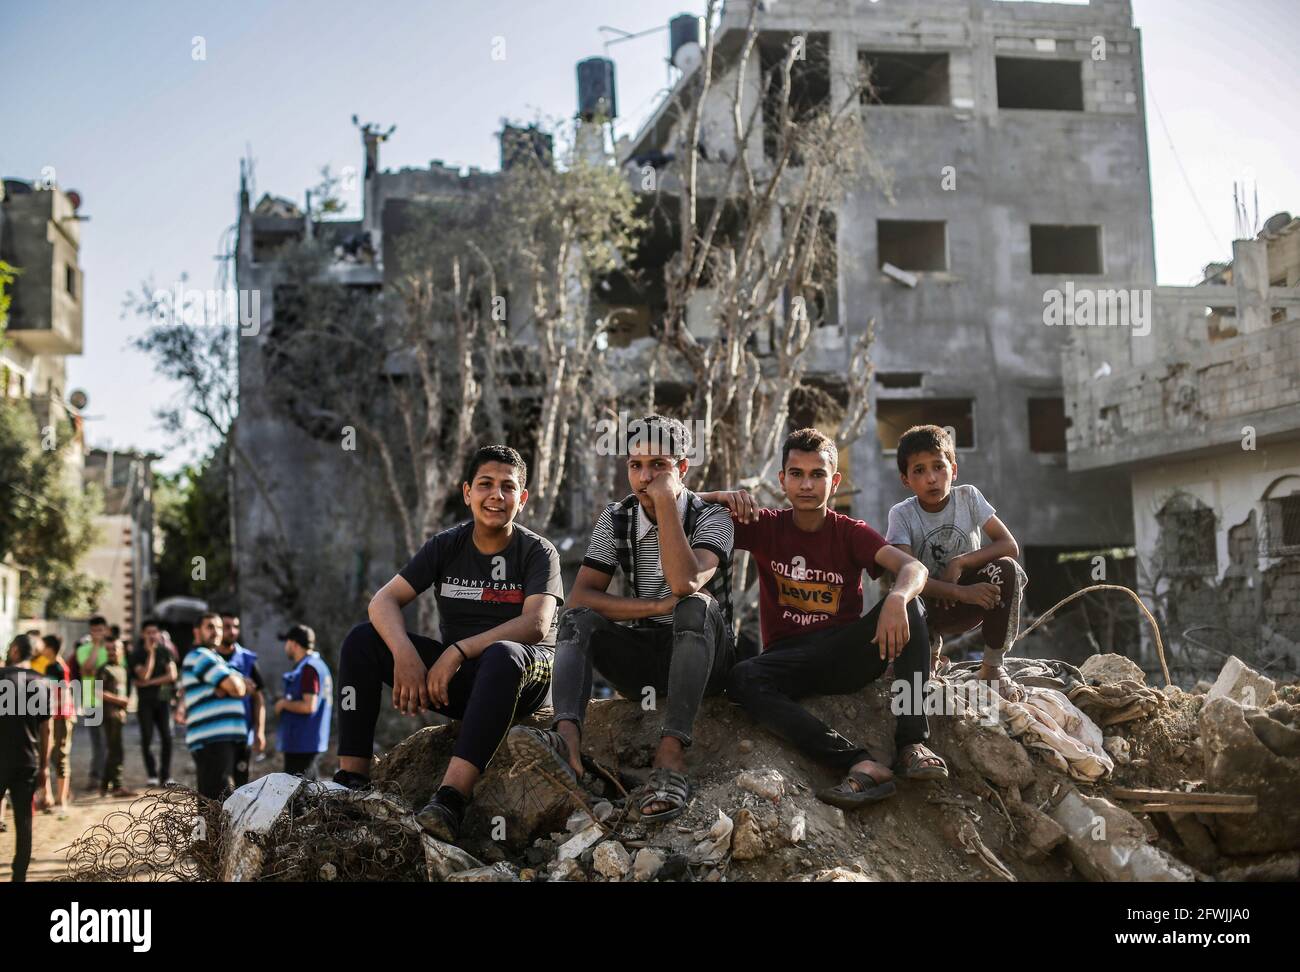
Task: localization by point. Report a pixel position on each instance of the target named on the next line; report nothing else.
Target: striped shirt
(712, 531)
(209, 717)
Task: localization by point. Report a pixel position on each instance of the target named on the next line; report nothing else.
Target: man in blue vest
(245, 662)
(306, 706)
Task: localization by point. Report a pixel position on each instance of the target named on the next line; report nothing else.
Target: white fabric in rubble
(1045, 719)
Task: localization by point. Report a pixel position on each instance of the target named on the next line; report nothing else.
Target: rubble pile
(1195, 786)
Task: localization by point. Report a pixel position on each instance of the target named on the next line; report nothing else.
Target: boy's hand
(983, 594)
(440, 675)
(742, 505)
(410, 694)
(951, 571)
(892, 630)
(661, 487)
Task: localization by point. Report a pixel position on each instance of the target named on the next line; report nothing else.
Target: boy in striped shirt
(215, 721)
(669, 633)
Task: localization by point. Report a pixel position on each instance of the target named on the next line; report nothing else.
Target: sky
(111, 95)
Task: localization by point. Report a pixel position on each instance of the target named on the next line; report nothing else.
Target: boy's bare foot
(997, 679)
(573, 740)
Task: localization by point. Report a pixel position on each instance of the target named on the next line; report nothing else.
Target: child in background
(971, 585)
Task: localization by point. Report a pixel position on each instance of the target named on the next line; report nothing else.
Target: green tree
(191, 508)
(46, 517)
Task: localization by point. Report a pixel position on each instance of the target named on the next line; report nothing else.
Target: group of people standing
(48, 695)
(669, 634)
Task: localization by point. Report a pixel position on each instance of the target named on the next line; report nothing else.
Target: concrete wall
(1250, 592)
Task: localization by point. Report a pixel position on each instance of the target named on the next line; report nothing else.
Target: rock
(713, 877)
(1241, 683)
(675, 868)
(713, 848)
(839, 875)
(1276, 867)
(1238, 761)
(565, 870)
(441, 860)
(529, 810)
(328, 872)
(647, 864)
(578, 820)
(1202, 686)
(251, 811)
(611, 859)
(798, 828)
(493, 874)
(1109, 668)
(1199, 849)
(583, 840)
(1040, 833)
(1118, 748)
(767, 784)
(528, 874)
(1107, 843)
(745, 746)
(603, 810)
(1275, 728)
(747, 842)
(996, 756)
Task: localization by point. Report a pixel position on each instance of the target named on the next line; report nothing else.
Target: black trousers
(156, 714)
(830, 661)
(685, 660)
(20, 784)
(486, 694)
(214, 763)
(243, 760)
(302, 764)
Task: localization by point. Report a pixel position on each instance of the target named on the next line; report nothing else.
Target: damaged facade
(1013, 140)
(1203, 412)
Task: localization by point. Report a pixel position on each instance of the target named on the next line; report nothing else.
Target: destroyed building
(1201, 409)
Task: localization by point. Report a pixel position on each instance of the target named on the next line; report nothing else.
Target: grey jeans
(686, 660)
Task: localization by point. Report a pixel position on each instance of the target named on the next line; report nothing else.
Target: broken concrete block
(1118, 748)
(1107, 843)
(1109, 668)
(1242, 684)
(612, 860)
(747, 842)
(442, 860)
(252, 810)
(647, 864)
(838, 875)
(798, 828)
(501, 873)
(1237, 760)
(767, 784)
(1039, 834)
(996, 756)
(565, 870)
(574, 847)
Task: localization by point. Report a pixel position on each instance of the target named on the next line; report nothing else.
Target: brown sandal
(917, 762)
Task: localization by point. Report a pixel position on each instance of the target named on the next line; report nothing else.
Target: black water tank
(682, 29)
(596, 88)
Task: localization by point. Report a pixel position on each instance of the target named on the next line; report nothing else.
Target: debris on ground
(1193, 785)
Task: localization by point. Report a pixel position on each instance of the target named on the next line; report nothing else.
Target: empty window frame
(70, 280)
(894, 416)
(899, 379)
(913, 244)
(1041, 83)
(896, 78)
(1284, 525)
(1047, 425)
(1187, 538)
(1065, 249)
(810, 85)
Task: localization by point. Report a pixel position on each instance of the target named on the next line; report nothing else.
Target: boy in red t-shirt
(815, 639)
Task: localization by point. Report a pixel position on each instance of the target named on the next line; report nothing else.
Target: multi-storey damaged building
(1014, 137)
(1201, 408)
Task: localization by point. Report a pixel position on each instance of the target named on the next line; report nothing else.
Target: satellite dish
(78, 400)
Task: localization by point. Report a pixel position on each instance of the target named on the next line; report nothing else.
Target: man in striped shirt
(215, 721)
(669, 634)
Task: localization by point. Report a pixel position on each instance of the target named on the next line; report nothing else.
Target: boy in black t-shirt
(498, 587)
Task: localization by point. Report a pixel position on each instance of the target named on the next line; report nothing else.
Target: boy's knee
(691, 612)
(502, 658)
(742, 681)
(576, 623)
(360, 638)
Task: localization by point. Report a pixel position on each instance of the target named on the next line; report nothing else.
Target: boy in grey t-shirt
(971, 585)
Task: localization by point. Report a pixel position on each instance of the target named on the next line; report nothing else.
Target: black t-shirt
(153, 693)
(477, 591)
(24, 705)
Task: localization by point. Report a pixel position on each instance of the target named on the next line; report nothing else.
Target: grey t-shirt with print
(935, 538)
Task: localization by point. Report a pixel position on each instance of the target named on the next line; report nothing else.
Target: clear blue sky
(109, 94)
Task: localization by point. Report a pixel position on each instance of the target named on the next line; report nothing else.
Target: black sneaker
(353, 781)
(443, 815)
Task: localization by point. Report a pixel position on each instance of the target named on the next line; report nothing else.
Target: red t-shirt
(806, 580)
